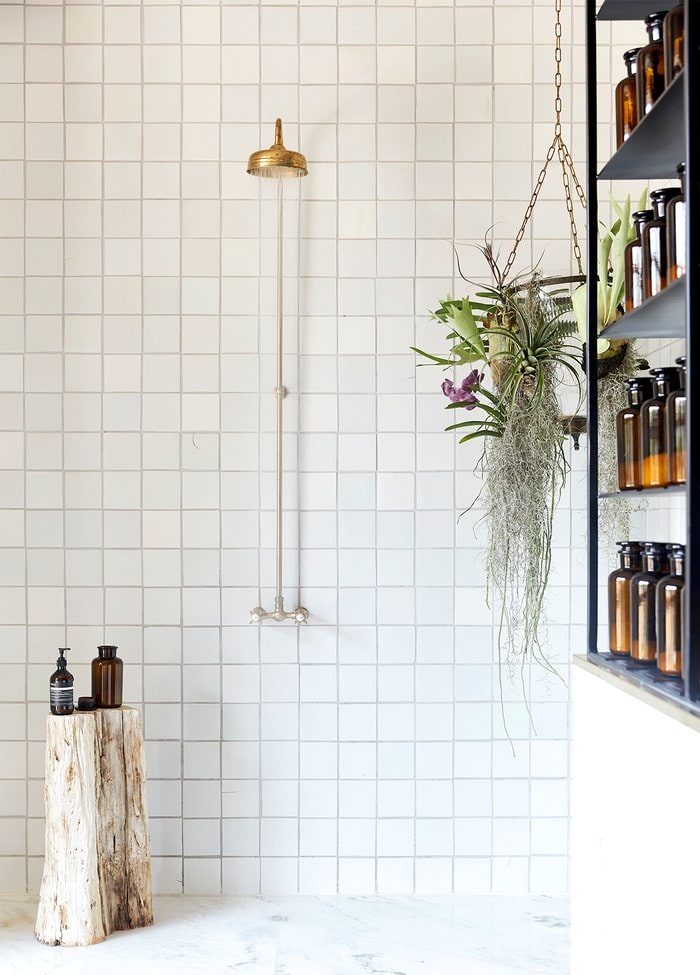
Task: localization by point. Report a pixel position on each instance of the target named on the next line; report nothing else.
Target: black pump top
(655, 20)
(639, 388)
(62, 663)
(666, 379)
(659, 198)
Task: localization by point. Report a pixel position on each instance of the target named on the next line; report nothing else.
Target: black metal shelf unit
(653, 151)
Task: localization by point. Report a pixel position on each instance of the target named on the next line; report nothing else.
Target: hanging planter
(516, 342)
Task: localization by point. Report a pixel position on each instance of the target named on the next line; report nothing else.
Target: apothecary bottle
(676, 231)
(630, 563)
(652, 427)
(650, 65)
(626, 98)
(653, 241)
(676, 406)
(107, 677)
(634, 283)
(674, 43)
(627, 424)
(655, 564)
(61, 686)
(669, 615)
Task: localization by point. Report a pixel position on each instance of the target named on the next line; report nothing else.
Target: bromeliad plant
(617, 359)
(519, 340)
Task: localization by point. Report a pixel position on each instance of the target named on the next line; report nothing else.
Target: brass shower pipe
(280, 164)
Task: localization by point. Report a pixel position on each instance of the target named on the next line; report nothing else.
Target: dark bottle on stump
(61, 686)
(107, 678)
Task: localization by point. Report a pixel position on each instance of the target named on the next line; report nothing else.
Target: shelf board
(662, 316)
(666, 697)
(645, 492)
(656, 145)
(627, 9)
(647, 677)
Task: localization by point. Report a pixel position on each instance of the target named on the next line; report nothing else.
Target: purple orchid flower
(464, 393)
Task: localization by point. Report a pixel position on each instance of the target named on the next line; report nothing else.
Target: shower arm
(299, 614)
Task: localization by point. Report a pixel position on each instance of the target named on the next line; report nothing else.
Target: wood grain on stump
(97, 867)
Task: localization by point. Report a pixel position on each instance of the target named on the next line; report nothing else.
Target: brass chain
(568, 173)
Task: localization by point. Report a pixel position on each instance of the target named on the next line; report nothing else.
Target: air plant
(520, 340)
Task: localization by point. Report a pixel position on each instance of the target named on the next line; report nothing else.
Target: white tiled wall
(365, 751)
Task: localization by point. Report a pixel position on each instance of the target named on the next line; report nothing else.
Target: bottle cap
(107, 651)
(680, 169)
(656, 548)
(87, 703)
(680, 361)
(643, 215)
(664, 193)
(656, 18)
(671, 374)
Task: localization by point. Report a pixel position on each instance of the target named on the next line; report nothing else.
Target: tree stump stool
(97, 867)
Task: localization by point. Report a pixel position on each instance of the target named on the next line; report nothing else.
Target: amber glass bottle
(626, 98)
(650, 65)
(675, 231)
(630, 555)
(669, 616)
(653, 241)
(629, 458)
(643, 584)
(674, 42)
(675, 428)
(652, 427)
(634, 284)
(107, 678)
(61, 686)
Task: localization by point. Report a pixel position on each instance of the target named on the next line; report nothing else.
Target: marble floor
(305, 935)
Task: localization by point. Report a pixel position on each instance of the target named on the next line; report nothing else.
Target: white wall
(367, 750)
(634, 822)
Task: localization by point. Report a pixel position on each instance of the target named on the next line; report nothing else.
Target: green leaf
(463, 322)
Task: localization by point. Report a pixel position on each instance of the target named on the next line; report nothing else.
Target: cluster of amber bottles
(650, 69)
(645, 604)
(651, 430)
(656, 254)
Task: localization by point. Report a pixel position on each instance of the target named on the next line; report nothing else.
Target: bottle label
(61, 695)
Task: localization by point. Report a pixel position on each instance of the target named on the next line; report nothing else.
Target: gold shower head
(277, 162)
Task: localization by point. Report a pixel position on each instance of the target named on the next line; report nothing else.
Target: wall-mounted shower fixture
(280, 164)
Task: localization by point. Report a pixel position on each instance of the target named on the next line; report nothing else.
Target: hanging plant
(519, 338)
